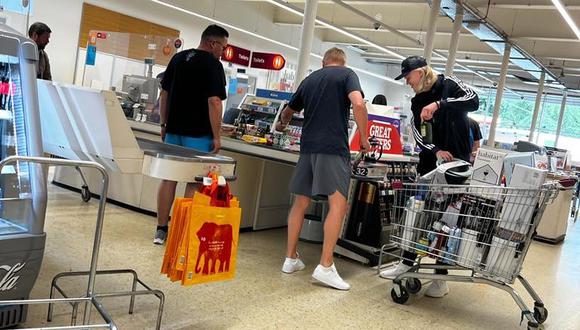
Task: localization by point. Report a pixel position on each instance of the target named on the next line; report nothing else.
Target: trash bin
(313, 226)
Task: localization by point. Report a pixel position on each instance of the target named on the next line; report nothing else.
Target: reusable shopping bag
(203, 238)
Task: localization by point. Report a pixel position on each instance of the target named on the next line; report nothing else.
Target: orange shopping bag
(213, 244)
(180, 208)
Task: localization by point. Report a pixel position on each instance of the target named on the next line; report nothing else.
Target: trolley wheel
(413, 285)
(540, 314)
(533, 326)
(402, 298)
(85, 193)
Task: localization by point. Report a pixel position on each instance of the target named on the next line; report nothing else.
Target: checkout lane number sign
(10, 279)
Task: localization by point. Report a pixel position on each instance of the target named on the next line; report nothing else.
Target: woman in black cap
(444, 103)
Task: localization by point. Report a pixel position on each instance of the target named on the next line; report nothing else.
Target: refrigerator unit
(22, 186)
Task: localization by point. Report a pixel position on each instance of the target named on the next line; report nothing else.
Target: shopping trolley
(484, 230)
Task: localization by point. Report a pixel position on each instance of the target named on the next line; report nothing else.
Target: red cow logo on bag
(215, 245)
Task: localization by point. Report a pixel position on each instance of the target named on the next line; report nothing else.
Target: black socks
(164, 228)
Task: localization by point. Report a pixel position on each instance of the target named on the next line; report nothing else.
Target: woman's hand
(428, 111)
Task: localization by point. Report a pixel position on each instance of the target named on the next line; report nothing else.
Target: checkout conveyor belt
(170, 151)
(171, 162)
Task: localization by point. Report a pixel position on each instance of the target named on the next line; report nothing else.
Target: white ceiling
(534, 25)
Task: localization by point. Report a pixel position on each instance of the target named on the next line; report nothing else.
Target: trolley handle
(552, 190)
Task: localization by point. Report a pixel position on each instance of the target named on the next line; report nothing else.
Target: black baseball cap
(411, 63)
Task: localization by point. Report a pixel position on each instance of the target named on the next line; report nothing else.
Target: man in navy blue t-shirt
(324, 165)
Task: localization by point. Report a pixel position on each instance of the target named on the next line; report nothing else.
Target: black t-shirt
(192, 77)
(474, 131)
(324, 97)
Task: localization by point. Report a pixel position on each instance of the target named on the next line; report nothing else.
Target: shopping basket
(484, 230)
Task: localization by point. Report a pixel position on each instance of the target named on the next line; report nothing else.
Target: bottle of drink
(427, 132)
(386, 196)
(363, 226)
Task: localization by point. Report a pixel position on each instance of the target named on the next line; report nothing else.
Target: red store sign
(236, 55)
(268, 61)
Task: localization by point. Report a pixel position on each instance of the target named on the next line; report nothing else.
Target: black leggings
(409, 256)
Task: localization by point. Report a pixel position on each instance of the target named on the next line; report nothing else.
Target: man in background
(474, 137)
(324, 165)
(190, 107)
(40, 34)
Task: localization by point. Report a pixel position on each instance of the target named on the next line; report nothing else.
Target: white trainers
(437, 289)
(292, 265)
(393, 272)
(330, 277)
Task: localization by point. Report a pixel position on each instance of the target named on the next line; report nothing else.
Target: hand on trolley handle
(370, 150)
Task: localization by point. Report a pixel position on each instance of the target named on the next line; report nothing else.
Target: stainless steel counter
(233, 145)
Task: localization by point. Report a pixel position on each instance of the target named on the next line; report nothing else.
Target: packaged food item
(253, 139)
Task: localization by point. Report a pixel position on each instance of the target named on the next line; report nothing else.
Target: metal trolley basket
(484, 230)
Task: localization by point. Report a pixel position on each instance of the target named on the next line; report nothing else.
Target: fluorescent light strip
(567, 17)
(223, 24)
(331, 26)
(259, 36)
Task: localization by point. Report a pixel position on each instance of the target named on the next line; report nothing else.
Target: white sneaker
(330, 277)
(393, 272)
(292, 265)
(437, 289)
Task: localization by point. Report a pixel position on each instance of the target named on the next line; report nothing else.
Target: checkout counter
(263, 171)
(86, 124)
(554, 224)
(263, 175)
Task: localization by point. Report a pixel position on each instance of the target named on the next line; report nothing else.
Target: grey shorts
(321, 175)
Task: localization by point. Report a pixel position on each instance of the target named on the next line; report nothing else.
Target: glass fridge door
(15, 190)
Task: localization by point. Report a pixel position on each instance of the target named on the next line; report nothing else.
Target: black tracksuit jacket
(450, 123)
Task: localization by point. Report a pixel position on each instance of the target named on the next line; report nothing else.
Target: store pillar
(499, 94)
(537, 106)
(306, 40)
(561, 119)
(453, 45)
(431, 29)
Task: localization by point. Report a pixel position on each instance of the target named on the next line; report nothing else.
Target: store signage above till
(236, 55)
(245, 57)
(267, 61)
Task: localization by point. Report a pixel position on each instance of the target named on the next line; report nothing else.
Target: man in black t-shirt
(324, 165)
(190, 105)
(474, 137)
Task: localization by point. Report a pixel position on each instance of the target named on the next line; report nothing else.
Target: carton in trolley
(488, 167)
(515, 220)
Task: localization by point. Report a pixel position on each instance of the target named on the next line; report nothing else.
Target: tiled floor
(262, 297)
